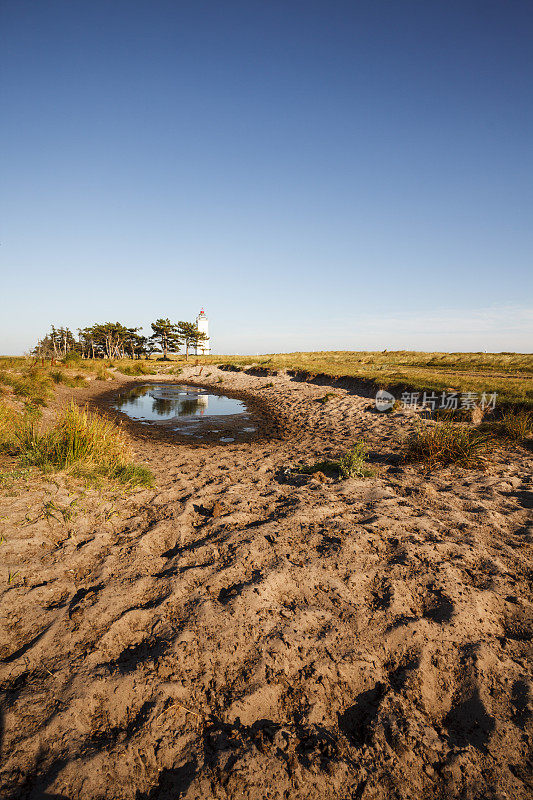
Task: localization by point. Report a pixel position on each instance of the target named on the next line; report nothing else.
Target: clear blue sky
(317, 175)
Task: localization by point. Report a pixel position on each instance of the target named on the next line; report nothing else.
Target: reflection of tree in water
(187, 402)
(132, 394)
(188, 407)
(164, 406)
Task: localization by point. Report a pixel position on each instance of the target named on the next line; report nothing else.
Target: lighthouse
(202, 323)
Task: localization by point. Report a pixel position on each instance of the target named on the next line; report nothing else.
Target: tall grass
(81, 436)
(33, 383)
(9, 424)
(102, 374)
(29, 382)
(353, 360)
(79, 440)
(514, 425)
(34, 386)
(137, 368)
(446, 443)
(58, 376)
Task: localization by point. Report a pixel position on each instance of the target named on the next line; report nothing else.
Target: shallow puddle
(188, 410)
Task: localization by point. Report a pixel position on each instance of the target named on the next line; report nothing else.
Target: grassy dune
(508, 374)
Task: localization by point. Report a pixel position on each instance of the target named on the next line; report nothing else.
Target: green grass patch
(231, 367)
(7, 477)
(353, 464)
(134, 475)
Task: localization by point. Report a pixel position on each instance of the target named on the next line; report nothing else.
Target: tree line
(114, 340)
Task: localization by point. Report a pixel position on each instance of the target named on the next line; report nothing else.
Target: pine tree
(165, 334)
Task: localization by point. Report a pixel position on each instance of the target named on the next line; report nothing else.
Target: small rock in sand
(217, 509)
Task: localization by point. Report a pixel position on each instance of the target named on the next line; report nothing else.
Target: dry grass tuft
(137, 368)
(516, 426)
(82, 436)
(102, 374)
(446, 443)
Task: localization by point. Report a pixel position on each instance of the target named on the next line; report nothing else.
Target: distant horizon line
(304, 352)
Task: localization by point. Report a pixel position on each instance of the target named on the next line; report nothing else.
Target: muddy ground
(234, 633)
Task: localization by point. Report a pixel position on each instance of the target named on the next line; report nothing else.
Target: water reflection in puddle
(186, 409)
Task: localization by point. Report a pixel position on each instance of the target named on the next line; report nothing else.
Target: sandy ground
(234, 635)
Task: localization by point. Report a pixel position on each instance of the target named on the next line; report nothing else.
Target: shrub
(353, 464)
(446, 443)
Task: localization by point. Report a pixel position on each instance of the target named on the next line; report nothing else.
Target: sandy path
(362, 639)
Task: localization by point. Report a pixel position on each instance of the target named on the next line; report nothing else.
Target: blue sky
(317, 175)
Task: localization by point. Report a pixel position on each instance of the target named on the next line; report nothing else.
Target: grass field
(510, 375)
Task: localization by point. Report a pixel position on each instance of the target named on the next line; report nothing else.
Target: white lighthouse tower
(202, 323)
